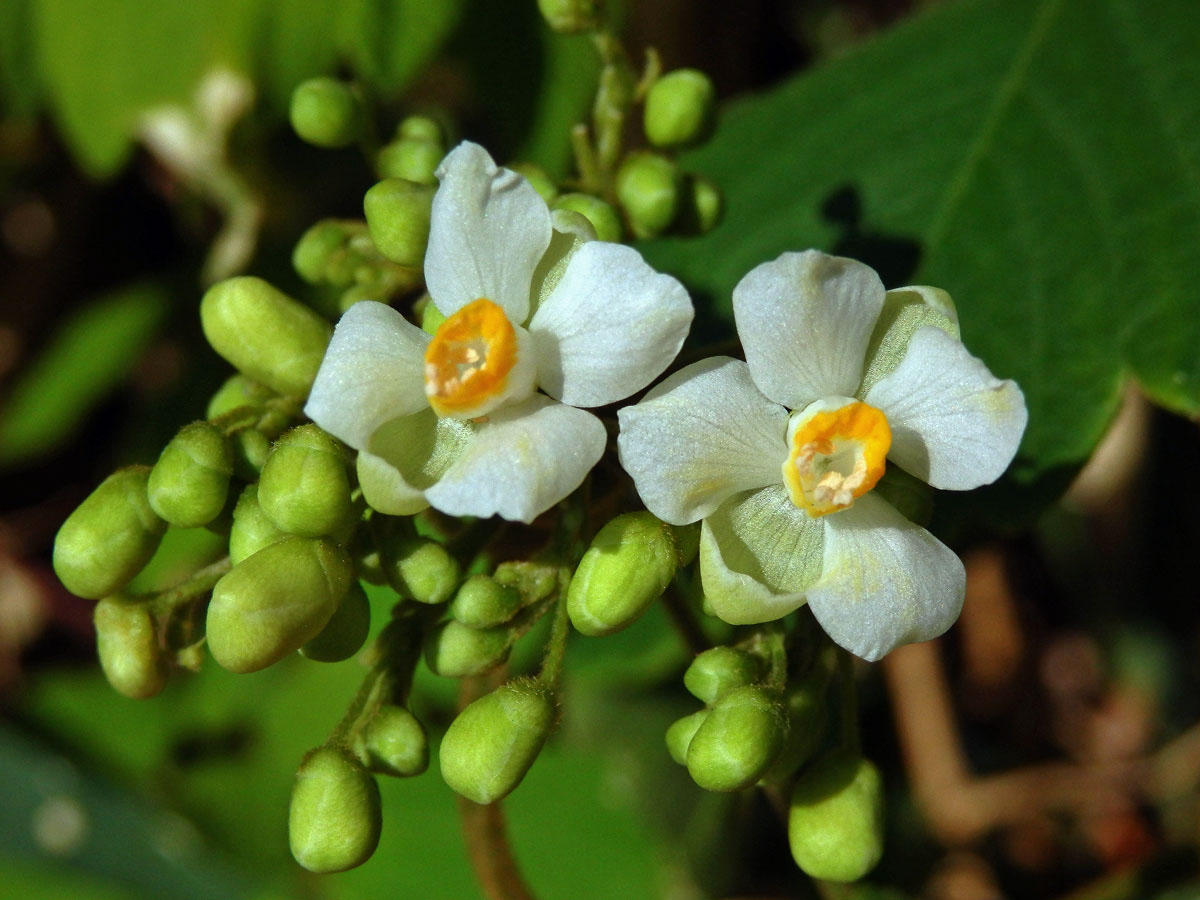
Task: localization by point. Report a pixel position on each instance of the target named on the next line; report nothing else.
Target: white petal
(521, 462)
(610, 326)
(758, 555)
(805, 320)
(701, 436)
(954, 424)
(384, 488)
(487, 231)
(885, 582)
(373, 371)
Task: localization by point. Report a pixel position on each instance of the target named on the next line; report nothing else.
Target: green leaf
(388, 41)
(18, 82)
(1039, 159)
(92, 352)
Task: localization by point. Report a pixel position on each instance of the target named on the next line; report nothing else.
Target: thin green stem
(201, 582)
(556, 647)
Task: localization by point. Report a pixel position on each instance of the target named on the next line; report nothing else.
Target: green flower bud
(681, 732)
(604, 218)
(702, 207)
(572, 16)
(456, 650)
(413, 159)
(188, 485)
(649, 189)
(806, 712)
(835, 821)
(483, 602)
(395, 743)
(737, 742)
(326, 112)
(275, 601)
(627, 567)
(334, 819)
(716, 672)
(680, 109)
(250, 451)
(314, 252)
(398, 217)
(251, 530)
(420, 569)
(345, 633)
(420, 128)
(431, 317)
(238, 391)
(305, 488)
(109, 537)
(127, 641)
(538, 177)
(265, 334)
(492, 743)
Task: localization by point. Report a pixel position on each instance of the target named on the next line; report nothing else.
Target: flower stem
(556, 647)
(490, 853)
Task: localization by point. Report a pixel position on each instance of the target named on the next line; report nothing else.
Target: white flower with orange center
(482, 417)
(778, 455)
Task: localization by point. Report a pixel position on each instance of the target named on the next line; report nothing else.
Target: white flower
(456, 421)
(778, 454)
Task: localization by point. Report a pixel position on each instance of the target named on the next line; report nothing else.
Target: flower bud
(326, 112)
(604, 218)
(334, 819)
(681, 732)
(188, 485)
(345, 633)
(127, 641)
(737, 742)
(835, 821)
(275, 601)
(627, 567)
(397, 214)
(265, 334)
(483, 602)
(680, 109)
(806, 712)
(572, 16)
(455, 650)
(492, 743)
(238, 391)
(702, 205)
(420, 569)
(251, 530)
(315, 251)
(649, 189)
(413, 159)
(304, 487)
(395, 743)
(538, 177)
(431, 317)
(420, 128)
(109, 537)
(716, 672)
(250, 451)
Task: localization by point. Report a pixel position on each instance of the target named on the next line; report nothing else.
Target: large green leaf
(388, 41)
(1039, 159)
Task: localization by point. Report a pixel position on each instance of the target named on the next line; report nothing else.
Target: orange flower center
(469, 359)
(837, 455)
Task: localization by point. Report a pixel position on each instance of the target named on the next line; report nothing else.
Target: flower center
(838, 452)
(468, 361)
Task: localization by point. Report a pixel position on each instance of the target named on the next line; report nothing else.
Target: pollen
(468, 362)
(837, 454)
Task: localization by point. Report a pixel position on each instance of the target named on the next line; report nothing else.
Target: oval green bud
(538, 177)
(275, 601)
(492, 743)
(483, 602)
(413, 159)
(109, 537)
(737, 742)
(604, 218)
(345, 633)
(806, 712)
(397, 214)
(420, 569)
(835, 820)
(649, 189)
(305, 488)
(251, 530)
(326, 112)
(455, 650)
(265, 334)
(717, 671)
(431, 317)
(572, 16)
(334, 818)
(680, 109)
(237, 392)
(314, 252)
(190, 482)
(681, 732)
(420, 128)
(127, 641)
(395, 743)
(250, 451)
(627, 567)
(702, 207)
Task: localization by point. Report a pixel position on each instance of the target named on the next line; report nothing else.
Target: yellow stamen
(837, 455)
(468, 361)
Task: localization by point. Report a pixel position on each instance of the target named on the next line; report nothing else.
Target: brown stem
(489, 851)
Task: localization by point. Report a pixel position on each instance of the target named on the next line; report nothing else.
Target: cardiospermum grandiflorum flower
(457, 420)
(779, 454)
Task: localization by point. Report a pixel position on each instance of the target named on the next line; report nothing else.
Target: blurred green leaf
(1039, 159)
(387, 41)
(18, 83)
(568, 85)
(92, 352)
